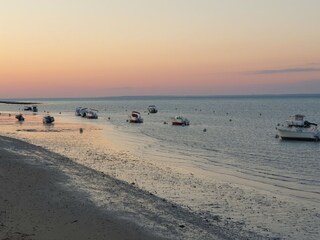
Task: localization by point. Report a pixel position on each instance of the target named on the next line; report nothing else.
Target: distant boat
(296, 128)
(91, 114)
(180, 121)
(48, 119)
(152, 109)
(135, 117)
(27, 108)
(86, 113)
(20, 117)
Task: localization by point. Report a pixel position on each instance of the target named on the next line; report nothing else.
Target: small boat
(34, 109)
(87, 113)
(48, 119)
(296, 128)
(152, 109)
(180, 121)
(135, 117)
(91, 114)
(20, 117)
(27, 108)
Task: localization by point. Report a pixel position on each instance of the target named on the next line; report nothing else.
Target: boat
(34, 109)
(91, 114)
(180, 121)
(152, 109)
(48, 119)
(135, 117)
(20, 117)
(27, 108)
(297, 128)
(86, 113)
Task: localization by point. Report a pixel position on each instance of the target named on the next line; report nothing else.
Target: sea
(232, 136)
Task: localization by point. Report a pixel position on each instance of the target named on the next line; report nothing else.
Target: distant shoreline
(17, 103)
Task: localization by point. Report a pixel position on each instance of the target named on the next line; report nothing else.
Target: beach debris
(81, 130)
(74, 221)
(276, 136)
(182, 226)
(133, 183)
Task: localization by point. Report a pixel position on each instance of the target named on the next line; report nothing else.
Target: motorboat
(91, 114)
(135, 117)
(48, 119)
(20, 117)
(27, 108)
(297, 128)
(88, 113)
(34, 109)
(152, 109)
(180, 121)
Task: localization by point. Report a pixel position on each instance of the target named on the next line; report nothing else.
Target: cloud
(288, 70)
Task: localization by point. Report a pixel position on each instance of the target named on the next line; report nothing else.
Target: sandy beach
(93, 172)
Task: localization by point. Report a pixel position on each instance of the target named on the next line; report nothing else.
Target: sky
(95, 48)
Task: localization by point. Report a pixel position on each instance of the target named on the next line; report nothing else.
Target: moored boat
(152, 109)
(27, 108)
(135, 117)
(34, 109)
(20, 117)
(180, 121)
(48, 119)
(297, 128)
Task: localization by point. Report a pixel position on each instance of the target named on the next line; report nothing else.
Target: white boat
(48, 119)
(297, 128)
(180, 121)
(135, 117)
(152, 109)
(86, 113)
(20, 117)
(91, 114)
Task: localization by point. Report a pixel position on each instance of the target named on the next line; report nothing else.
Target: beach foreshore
(45, 195)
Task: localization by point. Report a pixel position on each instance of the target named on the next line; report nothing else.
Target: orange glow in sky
(81, 48)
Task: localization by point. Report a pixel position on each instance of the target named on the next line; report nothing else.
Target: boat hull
(298, 134)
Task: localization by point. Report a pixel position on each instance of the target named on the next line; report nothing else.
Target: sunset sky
(90, 48)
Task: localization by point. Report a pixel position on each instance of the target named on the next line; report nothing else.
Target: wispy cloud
(288, 70)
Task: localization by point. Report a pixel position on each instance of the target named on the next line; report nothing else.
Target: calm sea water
(240, 136)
